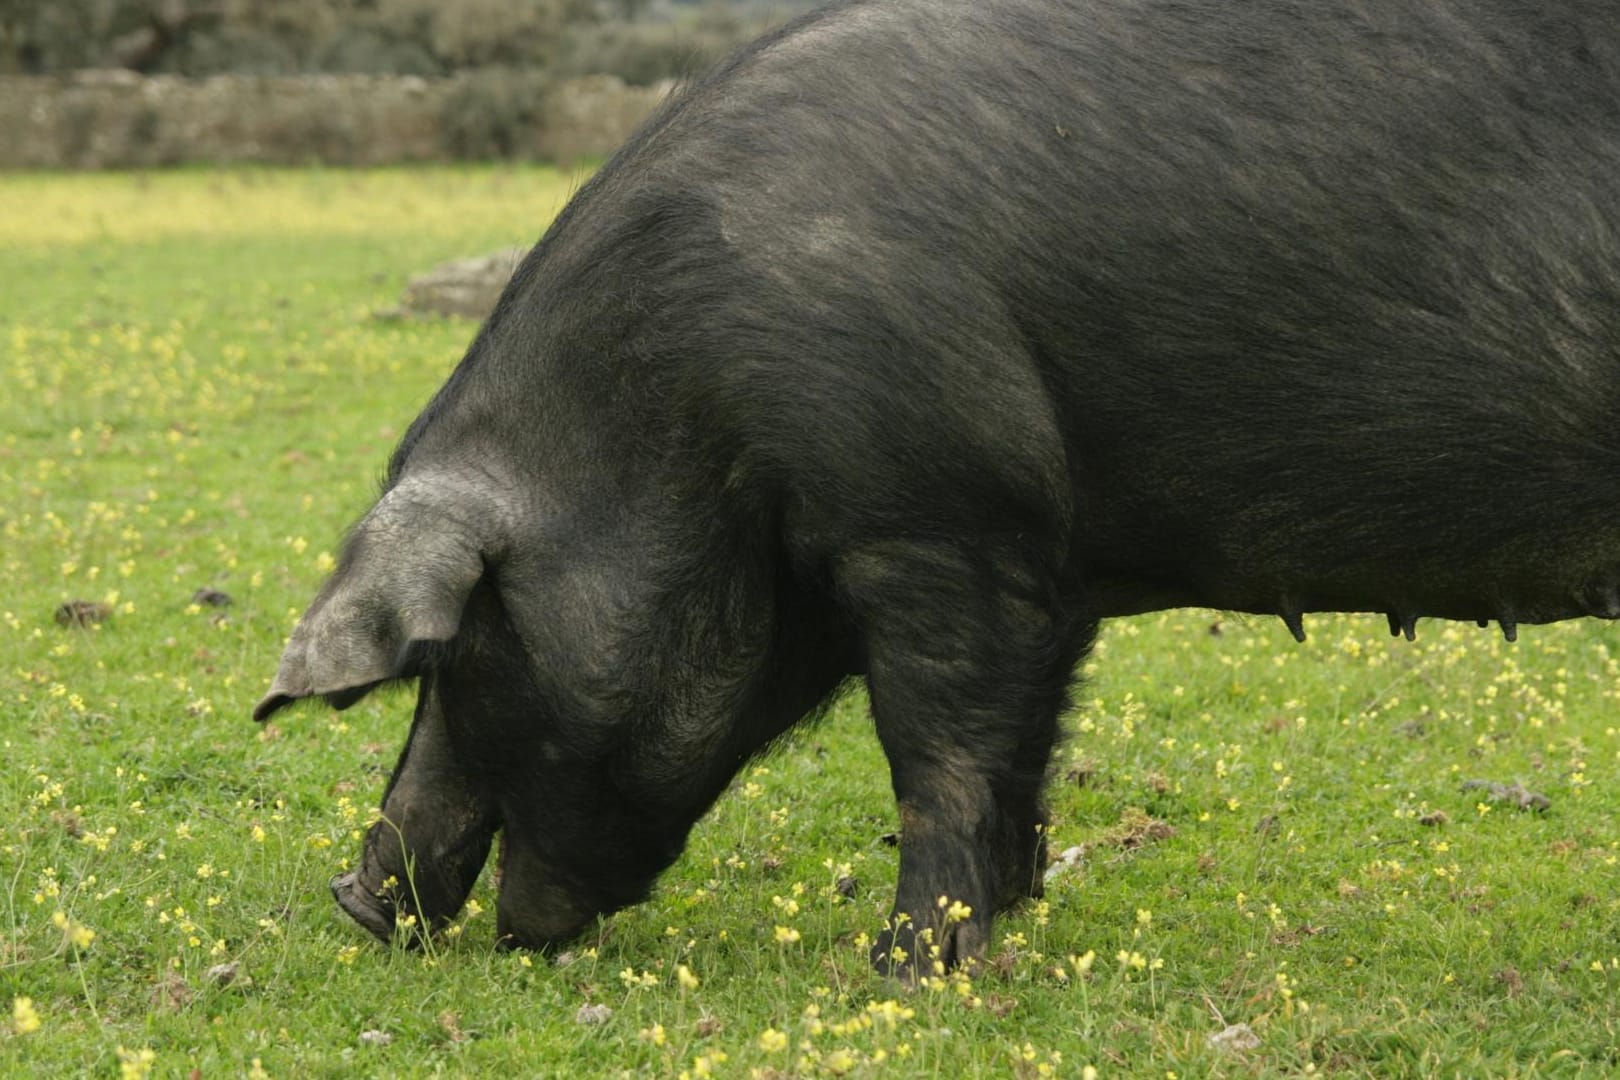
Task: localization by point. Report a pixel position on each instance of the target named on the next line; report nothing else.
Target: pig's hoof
(363, 906)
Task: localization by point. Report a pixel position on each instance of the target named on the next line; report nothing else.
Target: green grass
(195, 395)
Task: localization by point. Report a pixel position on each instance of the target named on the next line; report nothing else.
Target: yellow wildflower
(135, 1064)
(24, 1019)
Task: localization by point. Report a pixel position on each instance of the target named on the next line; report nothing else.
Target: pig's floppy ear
(402, 583)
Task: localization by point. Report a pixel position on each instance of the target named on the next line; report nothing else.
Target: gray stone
(467, 288)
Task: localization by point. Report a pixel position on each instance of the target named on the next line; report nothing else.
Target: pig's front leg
(969, 658)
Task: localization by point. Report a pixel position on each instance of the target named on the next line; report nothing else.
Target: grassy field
(194, 395)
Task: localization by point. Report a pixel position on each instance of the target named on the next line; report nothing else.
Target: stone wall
(116, 119)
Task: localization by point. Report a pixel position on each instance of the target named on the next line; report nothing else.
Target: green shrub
(492, 113)
(369, 51)
(645, 53)
(243, 50)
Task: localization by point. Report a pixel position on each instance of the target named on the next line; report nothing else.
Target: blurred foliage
(491, 113)
(640, 40)
(284, 37)
(643, 52)
(496, 66)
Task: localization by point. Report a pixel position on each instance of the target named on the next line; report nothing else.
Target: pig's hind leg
(969, 653)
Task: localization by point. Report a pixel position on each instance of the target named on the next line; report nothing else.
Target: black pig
(924, 334)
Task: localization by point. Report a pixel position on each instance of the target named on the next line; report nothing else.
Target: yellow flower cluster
(24, 1017)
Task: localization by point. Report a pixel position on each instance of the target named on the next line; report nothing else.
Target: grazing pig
(921, 336)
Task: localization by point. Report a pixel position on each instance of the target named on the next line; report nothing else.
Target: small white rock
(376, 1038)
(226, 974)
(1237, 1037)
(593, 1014)
(1069, 859)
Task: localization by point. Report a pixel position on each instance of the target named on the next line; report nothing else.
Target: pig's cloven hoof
(363, 906)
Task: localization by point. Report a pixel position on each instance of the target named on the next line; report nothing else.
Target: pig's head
(566, 697)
